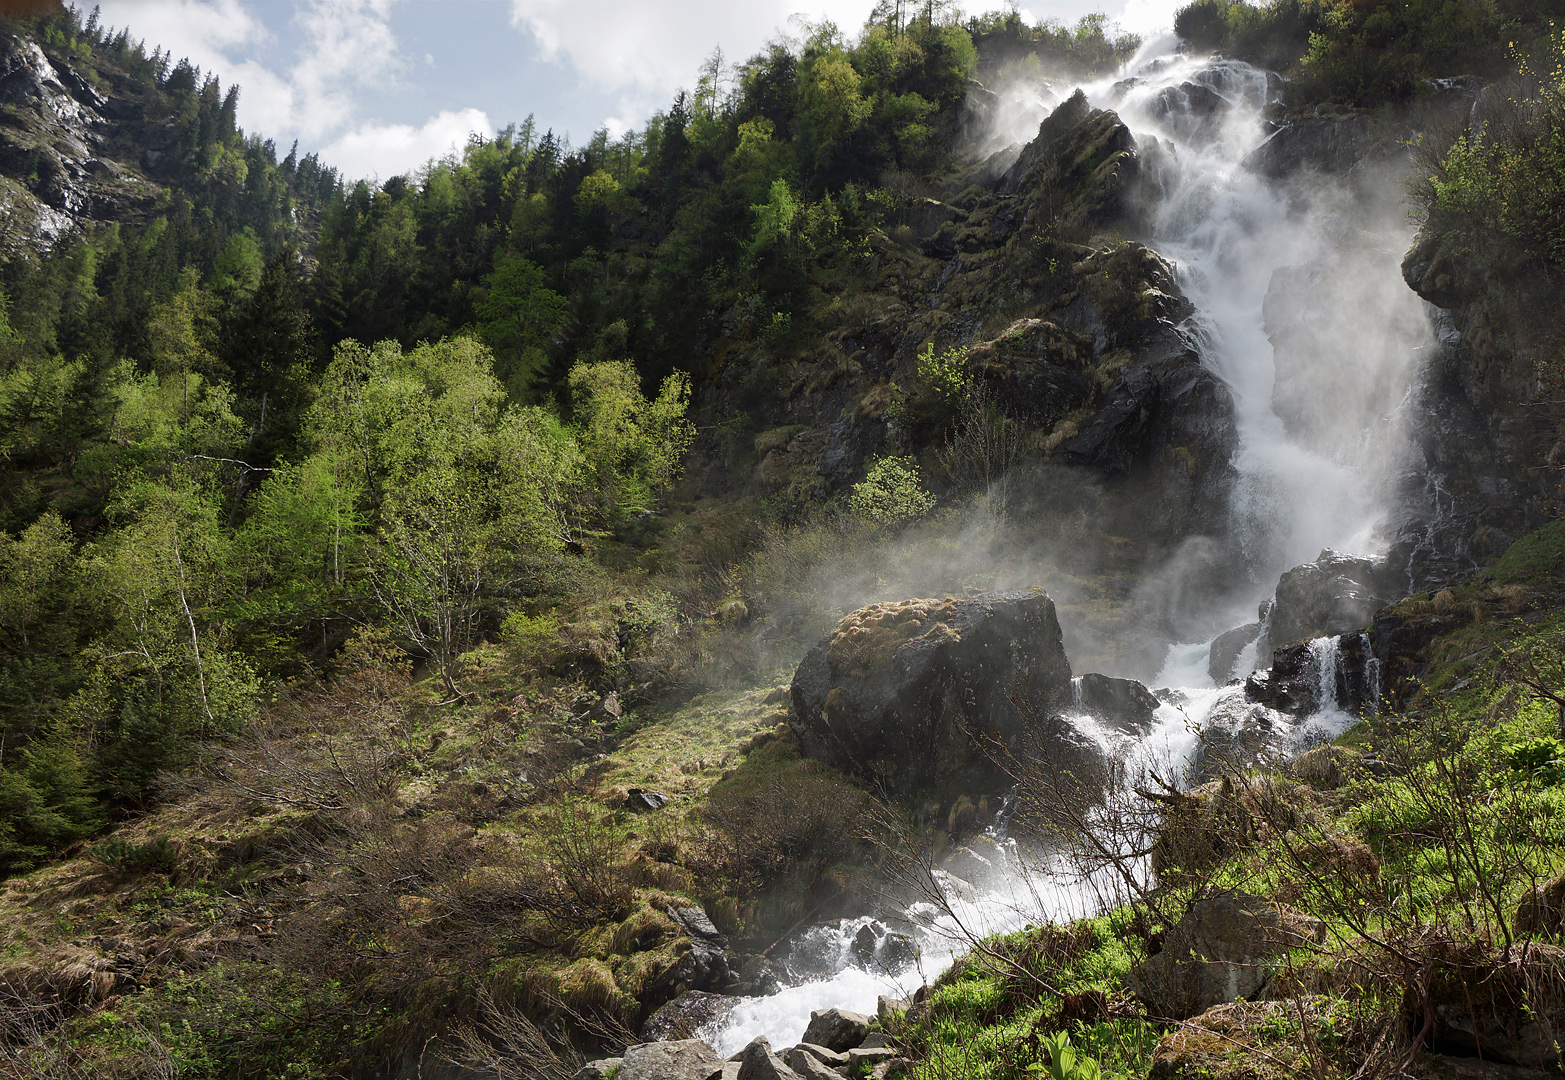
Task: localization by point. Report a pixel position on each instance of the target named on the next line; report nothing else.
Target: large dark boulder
(1332, 595)
(900, 694)
(1122, 704)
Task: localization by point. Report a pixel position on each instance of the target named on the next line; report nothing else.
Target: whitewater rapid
(1226, 230)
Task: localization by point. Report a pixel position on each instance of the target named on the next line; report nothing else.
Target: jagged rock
(1307, 676)
(642, 801)
(704, 966)
(686, 1014)
(872, 1055)
(1123, 704)
(687, 1059)
(1237, 733)
(876, 948)
(885, 1005)
(809, 1066)
(1334, 594)
(898, 692)
(1221, 950)
(1328, 144)
(836, 1029)
(757, 1062)
(824, 1054)
(1225, 650)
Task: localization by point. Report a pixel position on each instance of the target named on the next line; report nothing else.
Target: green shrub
(155, 855)
(532, 639)
(946, 373)
(891, 493)
(1542, 758)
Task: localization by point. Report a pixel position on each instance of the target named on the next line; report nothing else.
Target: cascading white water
(1227, 230)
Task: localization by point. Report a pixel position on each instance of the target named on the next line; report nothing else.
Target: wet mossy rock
(899, 693)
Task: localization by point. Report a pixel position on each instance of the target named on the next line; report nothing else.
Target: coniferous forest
(409, 591)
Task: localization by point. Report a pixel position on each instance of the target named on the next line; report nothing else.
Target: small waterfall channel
(1226, 230)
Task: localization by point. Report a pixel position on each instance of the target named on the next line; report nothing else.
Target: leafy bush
(531, 639)
(1542, 758)
(891, 493)
(946, 373)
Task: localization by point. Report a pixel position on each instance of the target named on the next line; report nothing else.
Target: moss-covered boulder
(907, 694)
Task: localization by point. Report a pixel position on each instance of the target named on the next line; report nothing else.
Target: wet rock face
(898, 693)
(1237, 733)
(1475, 484)
(1122, 704)
(1225, 650)
(1334, 594)
(1307, 676)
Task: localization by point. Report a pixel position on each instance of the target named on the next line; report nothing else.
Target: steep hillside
(401, 584)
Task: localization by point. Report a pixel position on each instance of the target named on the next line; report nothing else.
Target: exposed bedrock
(1478, 476)
(902, 694)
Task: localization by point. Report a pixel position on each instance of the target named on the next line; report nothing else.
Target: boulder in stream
(1122, 704)
(901, 694)
(836, 1029)
(1225, 650)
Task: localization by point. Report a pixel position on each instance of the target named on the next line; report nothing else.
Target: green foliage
(633, 449)
(891, 493)
(946, 374)
(154, 856)
(532, 639)
(518, 315)
(1065, 1061)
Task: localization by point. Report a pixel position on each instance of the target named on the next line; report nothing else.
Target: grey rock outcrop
(704, 966)
(686, 1059)
(687, 1014)
(1307, 676)
(757, 1062)
(900, 693)
(1225, 651)
(1334, 594)
(810, 1066)
(836, 1029)
(1223, 949)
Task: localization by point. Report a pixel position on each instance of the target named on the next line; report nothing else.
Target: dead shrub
(587, 853)
(797, 821)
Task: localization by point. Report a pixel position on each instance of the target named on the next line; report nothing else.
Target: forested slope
(365, 547)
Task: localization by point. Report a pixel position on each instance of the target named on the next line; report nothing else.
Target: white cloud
(657, 45)
(384, 150)
(206, 31)
(347, 51)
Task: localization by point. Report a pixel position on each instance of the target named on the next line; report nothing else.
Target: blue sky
(377, 87)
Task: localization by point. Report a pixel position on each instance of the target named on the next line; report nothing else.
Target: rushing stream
(1228, 231)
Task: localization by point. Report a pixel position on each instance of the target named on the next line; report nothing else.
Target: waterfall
(1227, 231)
(1326, 653)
